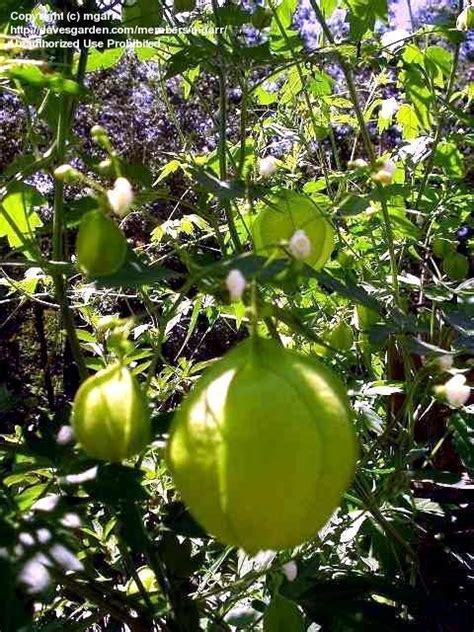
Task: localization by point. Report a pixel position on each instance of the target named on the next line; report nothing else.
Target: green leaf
(283, 615)
(226, 190)
(438, 62)
(321, 84)
(18, 220)
(264, 97)
(363, 15)
(449, 159)
(102, 60)
(292, 87)
(354, 204)
(416, 85)
(408, 120)
(463, 437)
(328, 7)
(134, 273)
(36, 78)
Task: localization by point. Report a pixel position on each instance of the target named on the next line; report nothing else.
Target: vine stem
(349, 77)
(440, 128)
(64, 122)
(222, 150)
(305, 94)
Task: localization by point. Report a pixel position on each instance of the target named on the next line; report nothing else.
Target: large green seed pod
(100, 246)
(286, 213)
(263, 447)
(111, 419)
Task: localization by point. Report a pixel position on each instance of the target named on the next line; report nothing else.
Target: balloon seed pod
(111, 419)
(283, 217)
(101, 247)
(263, 448)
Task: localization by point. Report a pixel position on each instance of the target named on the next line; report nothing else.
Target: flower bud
(121, 197)
(445, 362)
(290, 570)
(267, 166)
(236, 284)
(97, 131)
(105, 166)
(300, 245)
(358, 163)
(456, 391)
(385, 174)
(65, 435)
(66, 173)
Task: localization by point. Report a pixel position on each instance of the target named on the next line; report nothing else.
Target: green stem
(64, 123)
(305, 95)
(349, 77)
(440, 129)
(223, 158)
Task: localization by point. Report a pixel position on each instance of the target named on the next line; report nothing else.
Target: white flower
(267, 166)
(26, 539)
(47, 503)
(65, 435)
(121, 197)
(300, 245)
(416, 149)
(236, 284)
(34, 574)
(63, 556)
(385, 174)
(71, 521)
(456, 390)
(43, 535)
(290, 570)
(82, 477)
(392, 41)
(389, 108)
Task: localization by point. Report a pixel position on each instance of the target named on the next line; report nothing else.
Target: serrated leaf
(408, 120)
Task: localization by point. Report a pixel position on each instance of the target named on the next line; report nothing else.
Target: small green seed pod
(100, 246)
(289, 213)
(111, 419)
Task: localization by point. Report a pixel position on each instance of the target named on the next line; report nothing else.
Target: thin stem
(349, 77)
(64, 122)
(223, 158)
(305, 95)
(439, 132)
